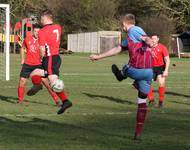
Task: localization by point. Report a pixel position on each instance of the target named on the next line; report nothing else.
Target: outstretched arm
(109, 53)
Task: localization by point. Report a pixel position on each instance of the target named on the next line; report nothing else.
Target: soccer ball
(57, 85)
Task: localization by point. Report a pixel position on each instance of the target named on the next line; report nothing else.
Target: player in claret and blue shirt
(138, 68)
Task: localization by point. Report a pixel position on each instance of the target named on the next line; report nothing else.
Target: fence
(93, 42)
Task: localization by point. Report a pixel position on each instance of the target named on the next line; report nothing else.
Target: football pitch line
(106, 86)
(54, 114)
(97, 74)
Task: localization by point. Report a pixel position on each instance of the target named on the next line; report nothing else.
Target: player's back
(50, 36)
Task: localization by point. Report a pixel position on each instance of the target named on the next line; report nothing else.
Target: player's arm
(22, 56)
(42, 51)
(147, 40)
(22, 52)
(42, 43)
(138, 35)
(109, 53)
(167, 64)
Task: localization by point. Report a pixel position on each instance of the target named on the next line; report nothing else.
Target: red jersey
(158, 54)
(32, 51)
(50, 36)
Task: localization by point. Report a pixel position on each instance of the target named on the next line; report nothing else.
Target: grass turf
(103, 112)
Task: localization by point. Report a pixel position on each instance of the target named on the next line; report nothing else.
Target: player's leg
(46, 83)
(21, 89)
(118, 73)
(161, 89)
(36, 80)
(52, 65)
(151, 96)
(143, 90)
(65, 101)
(24, 75)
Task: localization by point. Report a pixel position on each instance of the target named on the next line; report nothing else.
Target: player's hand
(165, 74)
(22, 62)
(94, 57)
(149, 42)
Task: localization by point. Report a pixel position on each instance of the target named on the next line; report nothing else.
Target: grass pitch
(103, 112)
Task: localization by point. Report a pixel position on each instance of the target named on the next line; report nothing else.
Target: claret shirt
(139, 52)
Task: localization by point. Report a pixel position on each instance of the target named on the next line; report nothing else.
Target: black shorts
(51, 65)
(27, 70)
(157, 71)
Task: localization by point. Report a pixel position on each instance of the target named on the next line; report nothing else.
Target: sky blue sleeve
(136, 33)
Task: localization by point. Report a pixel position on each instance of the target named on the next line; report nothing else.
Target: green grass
(103, 112)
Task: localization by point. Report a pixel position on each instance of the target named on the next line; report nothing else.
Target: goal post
(5, 40)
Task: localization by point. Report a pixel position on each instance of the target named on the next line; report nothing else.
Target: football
(57, 85)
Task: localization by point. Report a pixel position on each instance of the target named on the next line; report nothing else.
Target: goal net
(4, 42)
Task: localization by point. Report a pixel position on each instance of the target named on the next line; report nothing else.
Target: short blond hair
(129, 19)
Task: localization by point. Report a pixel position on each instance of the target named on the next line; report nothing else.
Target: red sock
(150, 95)
(53, 95)
(20, 94)
(62, 96)
(141, 114)
(161, 92)
(36, 79)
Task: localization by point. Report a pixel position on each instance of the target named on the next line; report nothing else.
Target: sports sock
(150, 95)
(141, 114)
(161, 92)
(62, 96)
(53, 94)
(36, 79)
(20, 94)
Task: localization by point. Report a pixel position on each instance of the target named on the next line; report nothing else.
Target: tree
(88, 15)
(177, 10)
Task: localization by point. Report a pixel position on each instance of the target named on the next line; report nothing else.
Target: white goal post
(5, 39)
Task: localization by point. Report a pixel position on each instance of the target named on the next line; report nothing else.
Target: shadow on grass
(174, 94)
(14, 100)
(180, 102)
(110, 98)
(42, 130)
(177, 94)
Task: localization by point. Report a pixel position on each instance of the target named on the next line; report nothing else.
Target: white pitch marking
(54, 114)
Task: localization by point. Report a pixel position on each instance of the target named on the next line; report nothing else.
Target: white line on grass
(100, 74)
(94, 86)
(54, 114)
